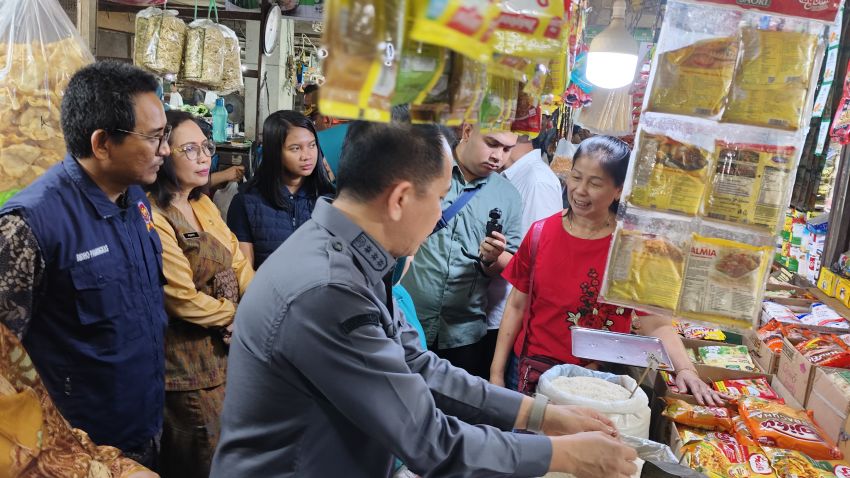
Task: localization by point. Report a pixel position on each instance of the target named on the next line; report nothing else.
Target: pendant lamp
(613, 55)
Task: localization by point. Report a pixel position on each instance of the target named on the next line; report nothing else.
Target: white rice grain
(591, 388)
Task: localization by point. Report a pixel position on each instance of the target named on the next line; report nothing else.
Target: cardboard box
(796, 373)
(695, 344)
(766, 359)
(831, 407)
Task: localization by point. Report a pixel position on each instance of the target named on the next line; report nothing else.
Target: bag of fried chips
(159, 41)
(775, 424)
(39, 52)
(231, 78)
(698, 416)
(204, 56)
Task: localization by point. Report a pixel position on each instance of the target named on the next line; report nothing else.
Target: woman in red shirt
(570, 261)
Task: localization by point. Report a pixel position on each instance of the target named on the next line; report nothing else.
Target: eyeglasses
(162, 138)
(193, 150)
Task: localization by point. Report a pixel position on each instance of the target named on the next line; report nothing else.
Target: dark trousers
(473, 358)
(146, 455)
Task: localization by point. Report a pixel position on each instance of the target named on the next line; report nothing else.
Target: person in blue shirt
(82, 267)
(281, 195)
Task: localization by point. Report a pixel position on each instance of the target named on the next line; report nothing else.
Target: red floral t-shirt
(567, 278)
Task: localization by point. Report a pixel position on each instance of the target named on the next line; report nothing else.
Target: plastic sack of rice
(605, 392)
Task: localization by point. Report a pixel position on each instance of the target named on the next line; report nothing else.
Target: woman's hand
(688, 381)
(497, 378)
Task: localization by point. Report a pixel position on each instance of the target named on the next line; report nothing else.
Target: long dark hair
(167, 185)
(267, 180)
(613, 155)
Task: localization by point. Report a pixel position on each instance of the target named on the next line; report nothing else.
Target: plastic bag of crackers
(39, 52)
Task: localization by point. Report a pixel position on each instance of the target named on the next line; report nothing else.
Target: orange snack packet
(771, 334)
(698, 416)
(721, 455)
(777, 425)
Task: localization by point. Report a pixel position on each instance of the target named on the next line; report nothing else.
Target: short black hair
(613, 155)
(310, 88)
(167, 185)
(268, 179)
(376, 156)
(101, 96)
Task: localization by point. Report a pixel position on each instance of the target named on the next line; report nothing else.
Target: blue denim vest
(98, 323)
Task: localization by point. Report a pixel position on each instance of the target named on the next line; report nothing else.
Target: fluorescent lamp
(612, 56)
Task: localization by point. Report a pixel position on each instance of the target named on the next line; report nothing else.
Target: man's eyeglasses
(162, 138)
(193, 150)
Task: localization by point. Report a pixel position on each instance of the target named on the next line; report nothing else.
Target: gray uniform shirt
(327, 379)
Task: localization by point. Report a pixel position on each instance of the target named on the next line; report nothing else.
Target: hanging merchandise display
(231, 78)
(159, 40)
(420, 66)
(715, 192)
(39, 52)
(464, 26)
(363, 39)
(841, 123)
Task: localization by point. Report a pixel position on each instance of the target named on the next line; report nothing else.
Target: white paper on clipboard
(615, 347)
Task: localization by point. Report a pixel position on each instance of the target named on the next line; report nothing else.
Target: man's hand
(688, 381)
(570, 419)
(491, 248)
(227, 333)
(592, 455)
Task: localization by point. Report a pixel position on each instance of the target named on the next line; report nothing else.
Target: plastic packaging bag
(672, 160)
(498, 106)
(647, 261)
(722, 455)
(461, 25)
(732, 357)
(724, 280)
(695, 60)
(204, 56)
(467, 83)
(159, 41)
(775, 424)
(529, 115)
(756, 387)
(795, 464)
(139, 3)
(420, 67)
(39, 52)
(698, 416)
(529, 29)
(631, 416)
(231, 79)
(363, 39)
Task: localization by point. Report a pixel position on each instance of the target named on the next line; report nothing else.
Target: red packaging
(826, 350)
(757, 387)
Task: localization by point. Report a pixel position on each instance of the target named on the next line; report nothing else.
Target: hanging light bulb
(612, 56)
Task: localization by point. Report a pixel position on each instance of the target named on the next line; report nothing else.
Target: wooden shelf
(183, 11)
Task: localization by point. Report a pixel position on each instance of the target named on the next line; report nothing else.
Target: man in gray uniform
(326, 379)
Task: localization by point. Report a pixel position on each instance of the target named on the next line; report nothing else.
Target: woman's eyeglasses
(193, 150)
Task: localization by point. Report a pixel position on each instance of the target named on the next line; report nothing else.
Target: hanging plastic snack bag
(698, 416)
(772, 79)
(695, 60)
(363, 38)
(775, 424)
(529, 28)
(231, 80)
(465, 26)
(670, 172)
(420, 68)
(749, 183)
(529, 115)
(203, 64)
(466, 84)
(724, 280)
(432, 104)
(646, 261)
(159, 41)
(498, 107)
(756, 387)
(732, 357)
(40, 50)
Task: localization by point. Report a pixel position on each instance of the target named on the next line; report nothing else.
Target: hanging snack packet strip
(529, 28)
(723, 280)
(432, 104)
(772, 80)
(528, 114)
(669, 175)
(363, 38)
(467, 84)
(775, 424)
(694, 80)
(645, 269)
(749, 183)
(465, 26)
(698, 416)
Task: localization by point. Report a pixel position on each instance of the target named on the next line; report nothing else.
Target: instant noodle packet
(742, 433)
(794, 464)
(732, 357)
(777, 425)
(669, 175)
(465, 26)
(721, 455)
(826, 351)
(757, 387)
(771, 334)
(363, 39)
(698, 332)
(698, 416)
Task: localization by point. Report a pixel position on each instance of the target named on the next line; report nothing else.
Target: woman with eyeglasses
(206, 274)
(281, 195)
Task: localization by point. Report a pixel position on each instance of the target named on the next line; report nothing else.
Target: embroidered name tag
(91, 254)
(191, 235)
(358, 321)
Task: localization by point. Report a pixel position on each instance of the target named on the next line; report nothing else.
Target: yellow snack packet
(645, 269)
(723, 281)
(420, 68)
(669, 175)
(467, 86)
(749, 182)
(363, 38)
(529, 28)
(465, 26)
(695, 80)
(498, 107)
